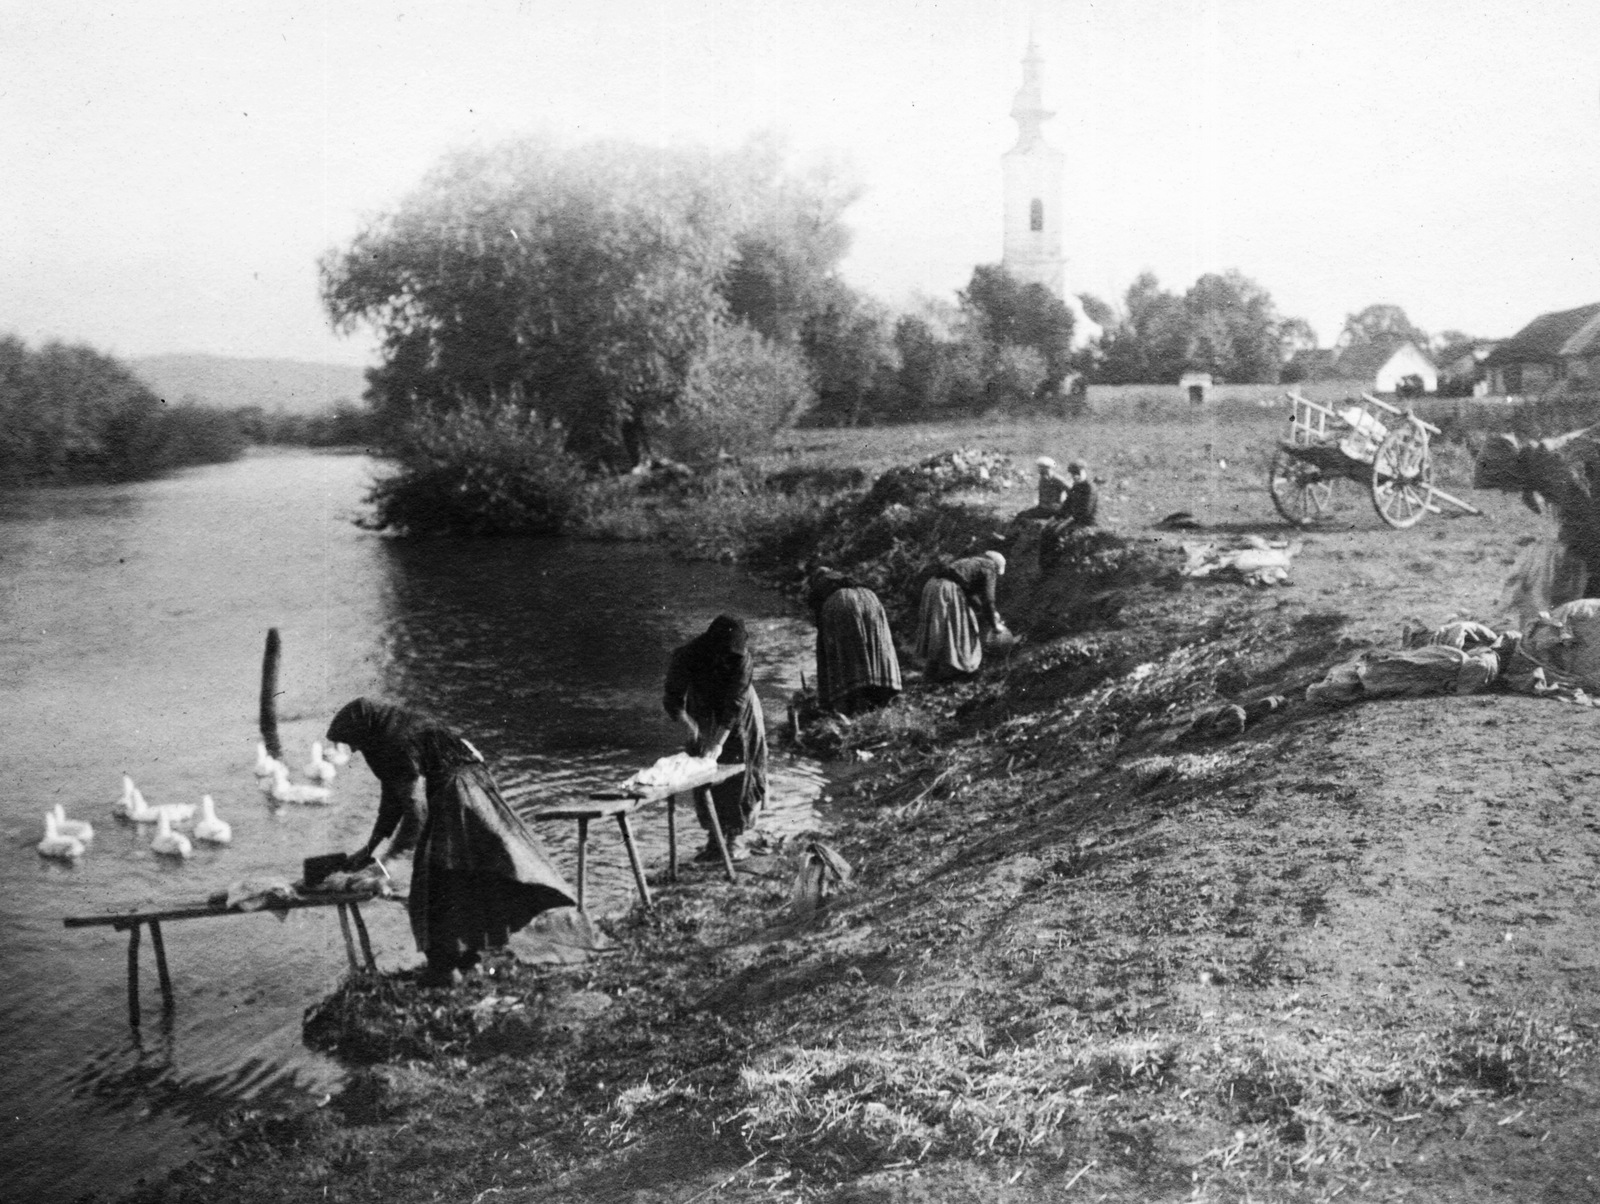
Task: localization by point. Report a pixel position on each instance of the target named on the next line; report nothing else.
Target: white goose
(144, 813)
(54, 844)
(318, 769)
(78, 829)
(167, 842)
(209, 827)
(124, 806)
(285, 791)
(339, 755)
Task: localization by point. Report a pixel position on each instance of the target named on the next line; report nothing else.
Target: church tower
(1032, 248)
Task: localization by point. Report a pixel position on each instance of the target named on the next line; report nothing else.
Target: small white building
(1196, 387)
(1382, 365)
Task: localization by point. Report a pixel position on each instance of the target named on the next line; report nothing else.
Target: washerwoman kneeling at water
(478, 872)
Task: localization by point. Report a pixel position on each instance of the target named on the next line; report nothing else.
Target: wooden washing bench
(620, 805)
(347, 903)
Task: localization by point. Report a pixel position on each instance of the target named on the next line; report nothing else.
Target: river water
(132, 623)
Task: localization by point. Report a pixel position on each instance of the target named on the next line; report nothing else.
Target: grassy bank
(1085, 953)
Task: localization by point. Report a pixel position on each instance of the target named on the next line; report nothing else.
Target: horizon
(177, 171)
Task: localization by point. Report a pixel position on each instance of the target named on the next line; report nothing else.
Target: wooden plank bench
(620, 805)
(348, 905)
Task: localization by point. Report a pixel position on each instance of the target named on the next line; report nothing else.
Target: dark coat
(479, 872)
(710, 679)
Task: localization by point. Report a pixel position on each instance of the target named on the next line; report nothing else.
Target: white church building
(1034, 202)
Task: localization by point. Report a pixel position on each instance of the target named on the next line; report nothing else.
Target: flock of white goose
(68, 839)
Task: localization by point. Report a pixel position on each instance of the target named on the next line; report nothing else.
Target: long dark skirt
(478, 874)
(738, 799)
(856, 662)
(948, 639)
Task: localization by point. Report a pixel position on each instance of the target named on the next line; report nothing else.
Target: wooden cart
(1371, 442)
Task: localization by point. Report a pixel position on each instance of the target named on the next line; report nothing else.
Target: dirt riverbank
(1349, 953)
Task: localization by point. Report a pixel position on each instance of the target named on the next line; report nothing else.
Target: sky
(170, 172)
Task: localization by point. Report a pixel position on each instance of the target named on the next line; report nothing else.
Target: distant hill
(292, 386)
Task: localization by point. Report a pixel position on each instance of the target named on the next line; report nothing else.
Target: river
(132, 623)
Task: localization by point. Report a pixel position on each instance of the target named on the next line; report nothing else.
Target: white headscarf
(999, 560)
(1046, 462)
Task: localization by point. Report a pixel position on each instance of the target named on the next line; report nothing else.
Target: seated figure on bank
(1053, 488)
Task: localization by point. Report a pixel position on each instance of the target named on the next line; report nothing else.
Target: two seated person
(1069, 498)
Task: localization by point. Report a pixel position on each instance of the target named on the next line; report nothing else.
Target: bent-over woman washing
(957, 608)
(857, 668)
(478, 872)
(709, 689)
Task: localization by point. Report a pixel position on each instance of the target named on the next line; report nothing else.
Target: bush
(740, 391)
(497, 472)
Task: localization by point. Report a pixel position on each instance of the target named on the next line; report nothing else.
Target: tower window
(1036, 214)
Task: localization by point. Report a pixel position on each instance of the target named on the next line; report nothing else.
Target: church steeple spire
(1027, 108)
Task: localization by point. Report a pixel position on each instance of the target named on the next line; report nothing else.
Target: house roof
(1314, 363)
(1361, 361)
(1550, 336)
(1477, 348)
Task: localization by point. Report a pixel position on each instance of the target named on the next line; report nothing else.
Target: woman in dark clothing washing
(708, 689)
(857, 668)
(478, 873)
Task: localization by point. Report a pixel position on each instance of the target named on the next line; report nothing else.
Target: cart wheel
(1402, 476)
(1299, 490)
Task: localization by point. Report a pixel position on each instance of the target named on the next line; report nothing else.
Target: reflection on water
(132, 620)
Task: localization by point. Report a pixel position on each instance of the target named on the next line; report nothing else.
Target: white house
(1383, 364)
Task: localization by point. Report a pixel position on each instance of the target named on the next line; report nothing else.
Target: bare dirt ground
(1350, 953)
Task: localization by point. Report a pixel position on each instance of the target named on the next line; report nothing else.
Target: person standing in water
(478, 872)
(709, 689)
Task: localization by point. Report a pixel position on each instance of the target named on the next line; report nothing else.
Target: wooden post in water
(269, 695)
(133, 975)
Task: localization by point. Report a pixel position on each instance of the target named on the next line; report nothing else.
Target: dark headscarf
(715, 666)
(400, 746)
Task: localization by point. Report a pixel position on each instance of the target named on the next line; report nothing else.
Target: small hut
(1196, 387)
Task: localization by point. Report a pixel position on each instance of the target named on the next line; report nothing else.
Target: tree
(576, 284)
(1233, 328)
(792, 237)
(1009, 312)
(850, 343)
(1380, 322)
(1151, 343)
(1294, 336)
(741, 389)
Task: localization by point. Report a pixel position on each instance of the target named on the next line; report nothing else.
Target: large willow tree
(580, 284)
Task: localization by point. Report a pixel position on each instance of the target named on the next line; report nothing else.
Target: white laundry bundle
(669, 772)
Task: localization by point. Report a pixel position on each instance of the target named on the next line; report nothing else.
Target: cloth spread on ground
(1558, 656)
(1258, 562)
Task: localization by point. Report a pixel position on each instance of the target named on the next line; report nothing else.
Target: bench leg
(366, 941)
(583, 856)
(349, 945)
(722, 844)
(161, 963)
(133, 975)
(672, 838)
(633, 858)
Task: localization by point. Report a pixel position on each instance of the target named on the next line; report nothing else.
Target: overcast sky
(170, 171)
